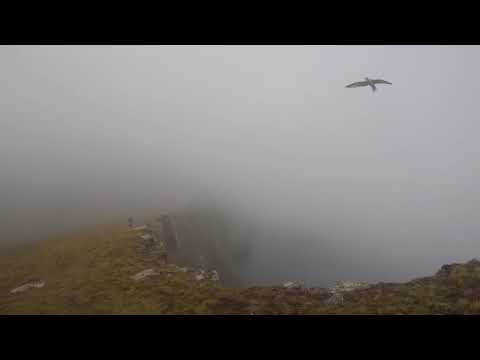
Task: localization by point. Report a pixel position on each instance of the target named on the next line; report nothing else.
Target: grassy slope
(89, 273)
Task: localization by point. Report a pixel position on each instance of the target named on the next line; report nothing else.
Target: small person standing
(164, 257)
(130, 222)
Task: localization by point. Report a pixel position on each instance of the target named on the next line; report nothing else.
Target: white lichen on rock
(207, 275)
(141, 227)
(214, 276)
(200, 275)
(143, 274)
(25, 287)
(343, 287)
(147, 237)
(292, 285)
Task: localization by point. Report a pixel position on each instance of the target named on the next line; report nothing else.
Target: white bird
(368, 82)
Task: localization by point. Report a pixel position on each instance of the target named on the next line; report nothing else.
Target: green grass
(89, 273)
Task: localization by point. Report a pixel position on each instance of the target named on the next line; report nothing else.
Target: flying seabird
(368, 82)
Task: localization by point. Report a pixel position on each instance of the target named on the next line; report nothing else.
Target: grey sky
(383, 183)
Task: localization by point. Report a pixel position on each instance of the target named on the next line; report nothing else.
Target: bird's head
(367, 79)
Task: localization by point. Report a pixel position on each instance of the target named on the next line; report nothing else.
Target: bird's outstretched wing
(357, 84)
(380, 81)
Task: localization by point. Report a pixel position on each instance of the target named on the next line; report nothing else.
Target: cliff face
(211, 240)
(113, 270)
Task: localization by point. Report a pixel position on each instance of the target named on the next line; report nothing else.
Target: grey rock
(292, 285)
(143, 274)
(25, 287)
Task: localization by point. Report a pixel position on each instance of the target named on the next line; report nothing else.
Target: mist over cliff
(322, 182)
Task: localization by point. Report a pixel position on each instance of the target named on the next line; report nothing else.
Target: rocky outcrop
(292, 285)
(151, 246)
(343, 287)
(449, 269)
(346, 286)
(207, 275)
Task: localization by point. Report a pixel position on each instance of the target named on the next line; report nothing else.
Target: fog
(343, 183)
